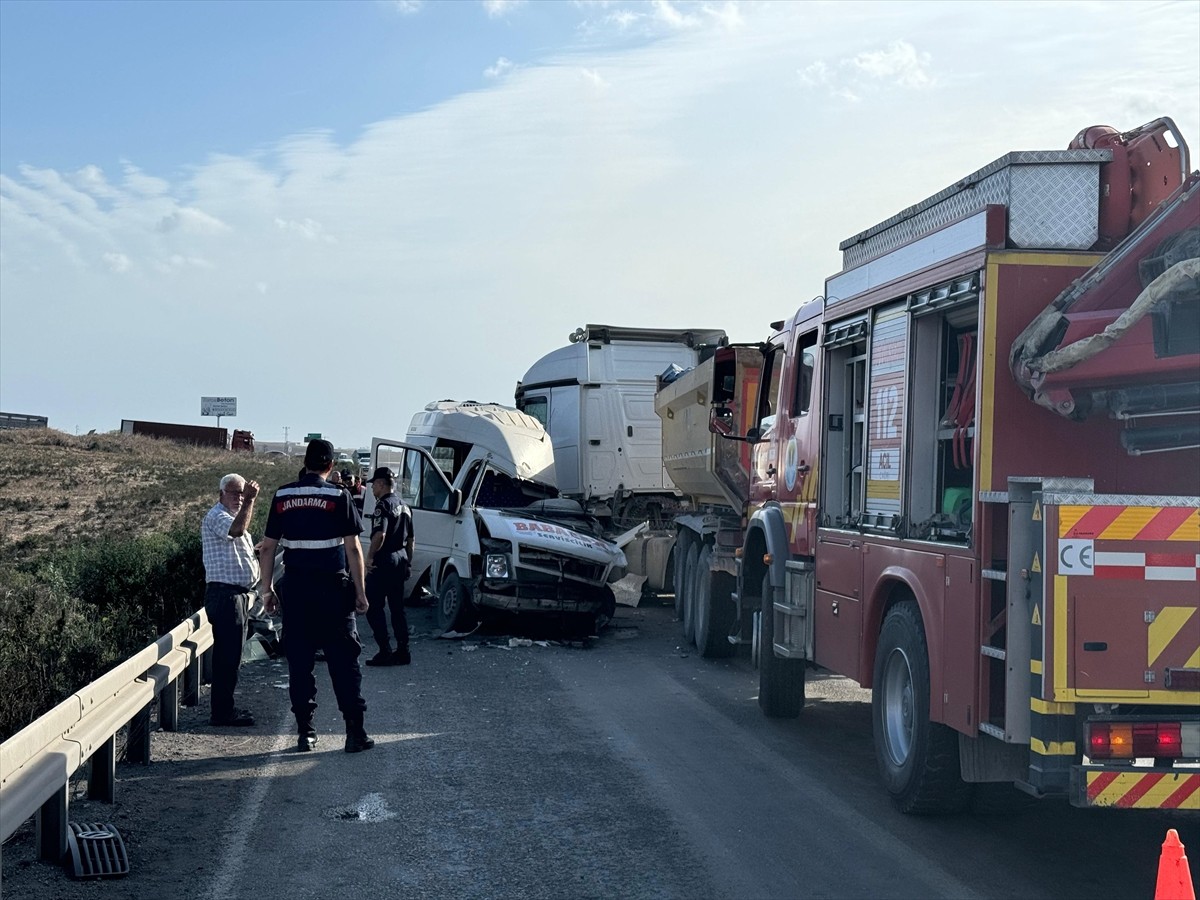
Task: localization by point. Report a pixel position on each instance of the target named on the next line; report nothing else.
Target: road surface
(629, 769)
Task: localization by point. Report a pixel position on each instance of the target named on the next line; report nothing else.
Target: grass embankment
(100, 553)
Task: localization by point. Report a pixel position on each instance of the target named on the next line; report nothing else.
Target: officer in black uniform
(318, 527)
(388, 560)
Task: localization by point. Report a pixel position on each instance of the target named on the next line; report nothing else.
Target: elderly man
(232, 575)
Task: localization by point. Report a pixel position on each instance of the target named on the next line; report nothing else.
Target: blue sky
(338, 212)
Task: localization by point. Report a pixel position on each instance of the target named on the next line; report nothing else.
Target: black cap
(319, 456)
(383, 473)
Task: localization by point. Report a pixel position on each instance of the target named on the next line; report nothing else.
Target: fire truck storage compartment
(945, 357)
(846, 346)
(900, 430)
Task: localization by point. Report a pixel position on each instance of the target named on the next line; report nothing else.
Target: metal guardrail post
(50, 826)
(138, 747)
(191, 677)
(206, 667)
(102, 778)
(168, 707)
(36, 764)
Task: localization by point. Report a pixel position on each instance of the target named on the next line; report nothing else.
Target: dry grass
(57, 489)
(100, 552)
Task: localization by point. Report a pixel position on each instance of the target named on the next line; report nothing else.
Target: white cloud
(900, 65)
(118, 262)
(728, 15)
(407, 7)
(305, 228)
(623, 18)
(595, 78)
(666, 13)
(189, 220)
(501, 67)
(498, 9)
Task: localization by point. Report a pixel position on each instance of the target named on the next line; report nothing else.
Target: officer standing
(388, 560)
(317, 526)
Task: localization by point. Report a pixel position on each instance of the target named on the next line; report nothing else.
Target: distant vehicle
(364, 461)
(344, 458)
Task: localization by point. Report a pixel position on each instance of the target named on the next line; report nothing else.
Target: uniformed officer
(317, 526)
(388, 560)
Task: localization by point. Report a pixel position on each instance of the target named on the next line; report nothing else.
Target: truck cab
(491, 531)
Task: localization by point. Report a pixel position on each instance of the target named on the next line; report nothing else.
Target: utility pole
(287, 444)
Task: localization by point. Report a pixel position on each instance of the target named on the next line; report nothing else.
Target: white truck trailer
(595, 398)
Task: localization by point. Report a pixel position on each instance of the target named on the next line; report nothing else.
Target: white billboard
(218, 406)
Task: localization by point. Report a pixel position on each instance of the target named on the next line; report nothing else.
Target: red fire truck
(973, 481)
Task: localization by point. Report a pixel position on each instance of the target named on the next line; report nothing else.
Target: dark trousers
(318, 614)
(226, 605)
(385, 582)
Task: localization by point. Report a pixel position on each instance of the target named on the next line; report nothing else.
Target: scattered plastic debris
(520, 642)
(457, 635)
(467, 648)
(370, 808)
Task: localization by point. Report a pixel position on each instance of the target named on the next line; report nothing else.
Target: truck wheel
(780, 681)
(689, 592)
(714, 610)
(681, 547)
(918, 759)
(456, 611)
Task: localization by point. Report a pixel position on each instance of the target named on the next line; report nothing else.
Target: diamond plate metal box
(1052, 197)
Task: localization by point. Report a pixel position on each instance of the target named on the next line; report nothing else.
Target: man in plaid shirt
(232, 574)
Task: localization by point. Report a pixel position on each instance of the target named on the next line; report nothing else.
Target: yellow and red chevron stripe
(1144, 790)
(1130, 523)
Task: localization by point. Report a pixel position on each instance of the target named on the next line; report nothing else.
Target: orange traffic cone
(1174, 877)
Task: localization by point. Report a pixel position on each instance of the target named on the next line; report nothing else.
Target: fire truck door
(796, 484)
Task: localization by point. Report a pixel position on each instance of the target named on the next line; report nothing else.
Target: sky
(338, 212)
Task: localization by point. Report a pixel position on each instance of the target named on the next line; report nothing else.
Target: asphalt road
(627, 769)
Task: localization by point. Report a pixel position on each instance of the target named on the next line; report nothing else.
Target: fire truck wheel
(780, 681)
(681, 546)
(918, 759)
(689, 593)
(456, 611)
(714, 609)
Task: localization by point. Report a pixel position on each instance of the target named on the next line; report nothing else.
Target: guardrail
(36, 763)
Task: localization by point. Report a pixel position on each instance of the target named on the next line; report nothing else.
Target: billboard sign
(218, 406)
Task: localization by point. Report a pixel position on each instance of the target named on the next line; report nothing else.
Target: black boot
(356, 735)
(307, 739)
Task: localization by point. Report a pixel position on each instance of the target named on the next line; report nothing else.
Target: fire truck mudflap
(1115, 662)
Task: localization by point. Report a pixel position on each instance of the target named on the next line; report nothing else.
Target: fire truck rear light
(1134, 740)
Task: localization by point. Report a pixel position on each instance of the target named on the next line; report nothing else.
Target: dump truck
(1006, 554)
(492, 533)
(595, 398)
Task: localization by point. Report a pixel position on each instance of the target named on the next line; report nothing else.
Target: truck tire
(780, 681)
(714, 610)
(680, 558)
(918, 759)
(456, 611)
(689, 593)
